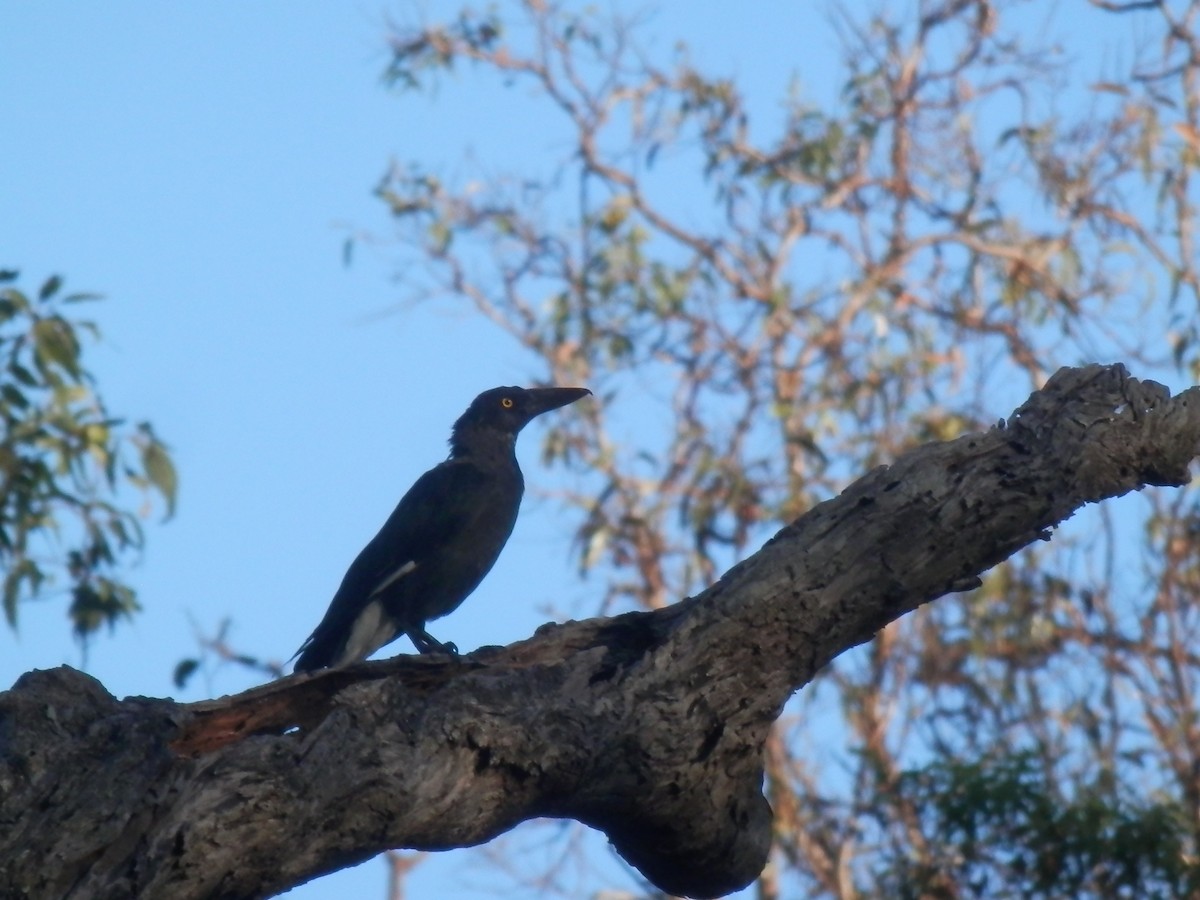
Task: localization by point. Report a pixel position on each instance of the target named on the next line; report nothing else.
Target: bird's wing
(432, 512)
(424, 519)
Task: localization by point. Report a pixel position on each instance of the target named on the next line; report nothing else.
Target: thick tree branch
(649, 726)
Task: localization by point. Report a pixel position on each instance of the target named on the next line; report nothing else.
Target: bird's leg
(426, 643)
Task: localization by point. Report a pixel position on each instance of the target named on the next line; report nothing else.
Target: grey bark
(648, 726)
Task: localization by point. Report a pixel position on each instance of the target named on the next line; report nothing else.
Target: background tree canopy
(768, 305)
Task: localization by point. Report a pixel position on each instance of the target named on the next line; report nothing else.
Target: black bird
(442, 538)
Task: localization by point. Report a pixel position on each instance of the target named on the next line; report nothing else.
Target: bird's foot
(428, 644)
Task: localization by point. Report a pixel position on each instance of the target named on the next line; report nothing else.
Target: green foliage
(64, 463)
(184, 670)
(1005, 831)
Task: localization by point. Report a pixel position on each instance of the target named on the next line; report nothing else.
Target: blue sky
(201, 165)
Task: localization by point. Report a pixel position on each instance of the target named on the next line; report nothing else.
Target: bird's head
(509, 409)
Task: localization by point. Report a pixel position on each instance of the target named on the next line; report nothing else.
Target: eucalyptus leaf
(50, 287)
(65, 465)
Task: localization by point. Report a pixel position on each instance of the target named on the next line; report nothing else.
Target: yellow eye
(506, 402)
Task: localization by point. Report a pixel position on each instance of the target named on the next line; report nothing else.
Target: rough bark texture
(648, 726)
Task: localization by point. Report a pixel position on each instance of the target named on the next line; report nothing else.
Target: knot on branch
(688, 849)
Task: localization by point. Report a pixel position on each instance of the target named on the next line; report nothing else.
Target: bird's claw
(426, 643)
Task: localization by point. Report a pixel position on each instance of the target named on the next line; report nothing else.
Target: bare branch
(649, 726)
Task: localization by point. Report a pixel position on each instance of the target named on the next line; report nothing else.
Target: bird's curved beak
(545, 399)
